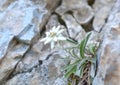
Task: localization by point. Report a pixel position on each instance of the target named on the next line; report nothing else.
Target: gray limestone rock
(25, 60)
(102, 10)
(5, 38)
(47, 73)
(21, 23)
(12, 57)
(74, 29)
(109, 56)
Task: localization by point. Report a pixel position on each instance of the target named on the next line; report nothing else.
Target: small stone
(75, 30)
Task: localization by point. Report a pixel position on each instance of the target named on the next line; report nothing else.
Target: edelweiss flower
(54, 35)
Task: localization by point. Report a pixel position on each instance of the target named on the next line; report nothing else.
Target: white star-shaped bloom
(54, 35)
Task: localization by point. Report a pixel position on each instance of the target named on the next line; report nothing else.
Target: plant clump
(81, 56)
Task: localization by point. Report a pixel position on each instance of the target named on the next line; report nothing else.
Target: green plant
(83, 57)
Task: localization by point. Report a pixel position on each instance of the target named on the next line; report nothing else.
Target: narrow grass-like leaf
(92, 71)
(74, 54)
(83, 45)
(66, 58)
(91, 49)
(82, 70)
(92, 60)
(71, 52)
(77, 73)
(71, 65)
(70, 71)
(72, 41)
(79, 67)
(69, 83)
(81, 62)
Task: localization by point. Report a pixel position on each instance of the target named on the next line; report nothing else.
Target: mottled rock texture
(24, 60)
(109, 54)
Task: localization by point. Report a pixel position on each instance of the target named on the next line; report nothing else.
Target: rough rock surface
(24, 60)
(102, 10)
(109, 54)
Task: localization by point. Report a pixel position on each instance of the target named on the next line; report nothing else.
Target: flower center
(52, 34)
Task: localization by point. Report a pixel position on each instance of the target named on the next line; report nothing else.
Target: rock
(102, 10)
(19, 79)
(30, 60)
(27, 23)
(48, 73)
(21, 23)
(75, 30)
(67, 5)
(108, 69)
(5, 38)
(53, 21)
(30, 18)
(27, 34)
(9, 62)
(40, 66)
(52, 4)
(24, 60)
(81, 11)
(83, 14)
(109, 54)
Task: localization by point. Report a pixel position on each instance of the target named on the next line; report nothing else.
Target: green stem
(72, 41)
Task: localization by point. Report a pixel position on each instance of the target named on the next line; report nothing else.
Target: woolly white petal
(48, 40)
(55, 39)
(53, 29)
(52, 45)
(47, 33)
(58, 28)
(60, 31)
(44, 39)
(61, 38)
(54, 35)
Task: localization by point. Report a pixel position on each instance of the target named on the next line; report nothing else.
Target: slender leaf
(92, 60)
(79, 67)
(91, 49)
(82, 70)
(83, 45)
(69, 83)
(70, 71)
(74, 54)
(72, 41)
(77, 73)
(92, 71)
(71, 65)
(82, 62)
